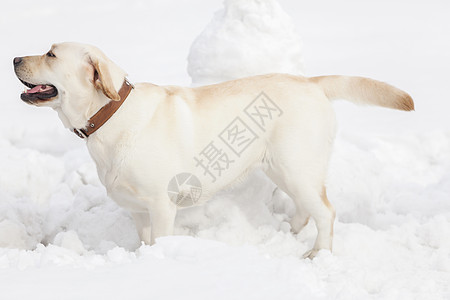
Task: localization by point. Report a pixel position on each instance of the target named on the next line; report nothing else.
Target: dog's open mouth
(38, 92)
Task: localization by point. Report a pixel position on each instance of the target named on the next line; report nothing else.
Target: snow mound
(246, 37)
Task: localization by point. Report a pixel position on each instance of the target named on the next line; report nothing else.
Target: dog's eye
(50, 54)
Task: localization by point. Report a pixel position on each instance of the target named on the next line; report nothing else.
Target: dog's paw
(298, 222)
(310, 254)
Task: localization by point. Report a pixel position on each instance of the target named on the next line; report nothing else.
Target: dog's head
(74, 79)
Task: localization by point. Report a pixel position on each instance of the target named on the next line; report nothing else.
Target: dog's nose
(17, 60)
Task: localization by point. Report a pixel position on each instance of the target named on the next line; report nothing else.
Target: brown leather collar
(106, 112)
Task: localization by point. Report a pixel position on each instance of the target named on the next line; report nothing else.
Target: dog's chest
(117, 172)
(108, 160)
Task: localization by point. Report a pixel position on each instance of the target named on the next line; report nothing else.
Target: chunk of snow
(246, 37)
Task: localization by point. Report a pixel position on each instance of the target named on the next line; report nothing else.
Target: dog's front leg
(162, 216)
(143, 226)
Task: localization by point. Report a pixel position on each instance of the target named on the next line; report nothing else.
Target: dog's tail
(364, 91)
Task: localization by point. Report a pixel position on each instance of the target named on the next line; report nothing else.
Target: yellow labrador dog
(158, 148)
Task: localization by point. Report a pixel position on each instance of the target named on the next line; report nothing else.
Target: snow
(247, 37)
(389, 178)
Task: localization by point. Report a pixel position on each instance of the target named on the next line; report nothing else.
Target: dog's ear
(101, 78)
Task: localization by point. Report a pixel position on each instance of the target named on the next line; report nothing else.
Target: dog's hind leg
(323, 214)
(310, 201)
(297, 161)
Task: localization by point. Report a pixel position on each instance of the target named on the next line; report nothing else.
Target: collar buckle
(80, 133)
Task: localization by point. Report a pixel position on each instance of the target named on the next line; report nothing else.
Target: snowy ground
(389, 179)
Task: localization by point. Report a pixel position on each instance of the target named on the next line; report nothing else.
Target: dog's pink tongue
(38, 89)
